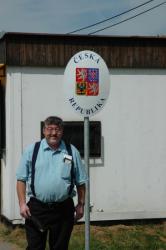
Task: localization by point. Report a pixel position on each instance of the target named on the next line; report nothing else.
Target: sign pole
(87, 85)
(87, 197)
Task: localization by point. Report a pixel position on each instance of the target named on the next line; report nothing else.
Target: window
(74, 134)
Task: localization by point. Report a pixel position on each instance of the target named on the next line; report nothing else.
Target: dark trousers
(55, 219)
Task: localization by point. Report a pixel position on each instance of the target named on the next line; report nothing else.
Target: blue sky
(60, 17)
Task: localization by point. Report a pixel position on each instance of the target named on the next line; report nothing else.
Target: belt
(50, 204)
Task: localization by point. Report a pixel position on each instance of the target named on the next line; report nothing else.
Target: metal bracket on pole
(87, 197)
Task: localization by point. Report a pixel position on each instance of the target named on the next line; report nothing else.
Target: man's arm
(81, 202)
(21, 192)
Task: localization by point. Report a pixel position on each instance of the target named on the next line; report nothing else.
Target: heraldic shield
(87, 81)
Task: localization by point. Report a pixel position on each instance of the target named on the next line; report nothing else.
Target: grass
(138, 236)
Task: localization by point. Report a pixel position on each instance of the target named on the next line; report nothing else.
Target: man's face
(53, 135)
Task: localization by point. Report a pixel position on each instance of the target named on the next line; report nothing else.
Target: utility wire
(110, 18)
(128, 18)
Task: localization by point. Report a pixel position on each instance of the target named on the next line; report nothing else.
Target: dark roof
(55, 50)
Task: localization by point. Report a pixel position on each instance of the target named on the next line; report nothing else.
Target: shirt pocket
(66, 171)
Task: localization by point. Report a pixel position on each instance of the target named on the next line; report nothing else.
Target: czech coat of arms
(87, 81)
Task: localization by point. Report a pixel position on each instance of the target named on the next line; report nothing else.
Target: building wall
(49, 50)
(13, 144)
(128, 181)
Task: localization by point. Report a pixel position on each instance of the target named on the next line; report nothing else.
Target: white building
(127, 180)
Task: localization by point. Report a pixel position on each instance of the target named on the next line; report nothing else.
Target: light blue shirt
(52, 172)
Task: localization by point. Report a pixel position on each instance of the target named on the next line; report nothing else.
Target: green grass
(151, 236)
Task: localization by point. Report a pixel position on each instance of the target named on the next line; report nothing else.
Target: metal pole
(87, 197)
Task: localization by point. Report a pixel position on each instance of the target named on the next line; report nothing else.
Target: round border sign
(86, 83)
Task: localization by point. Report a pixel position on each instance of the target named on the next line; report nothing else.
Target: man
(49, 185)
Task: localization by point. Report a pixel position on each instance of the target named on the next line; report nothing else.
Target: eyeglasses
(52, 129)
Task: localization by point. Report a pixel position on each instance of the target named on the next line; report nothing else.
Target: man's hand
(21, 190)
(24, 211)
(79, 211)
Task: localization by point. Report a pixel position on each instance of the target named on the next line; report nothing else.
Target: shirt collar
(47, 147)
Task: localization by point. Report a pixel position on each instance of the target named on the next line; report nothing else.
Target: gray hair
(53, 120)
